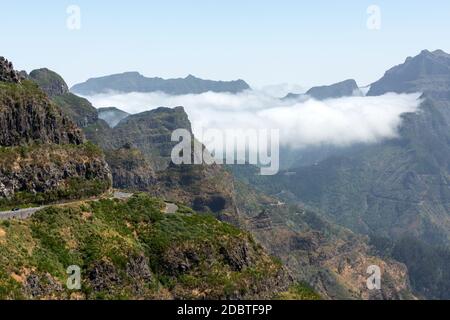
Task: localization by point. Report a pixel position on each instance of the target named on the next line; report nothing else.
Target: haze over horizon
(261, 43)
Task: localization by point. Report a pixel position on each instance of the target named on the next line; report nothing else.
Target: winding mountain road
(28, 212)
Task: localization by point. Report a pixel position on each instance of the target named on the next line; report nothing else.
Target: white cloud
(338, 122)
(282, 90)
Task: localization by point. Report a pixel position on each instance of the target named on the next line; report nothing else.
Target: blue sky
(262, 42)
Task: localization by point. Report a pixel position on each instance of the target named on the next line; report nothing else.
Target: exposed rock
(7, 72)
(262, 221)
(50, 82)
(49, 169)
(130, 169)
(45, 286)
(179, 260)
(428, 72)
(27, 115)
(151, 132)
(103, 276)
(237, 256)
(138, 269)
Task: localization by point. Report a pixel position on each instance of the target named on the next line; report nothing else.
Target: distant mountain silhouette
(338, 90)
(429, 72)
(135, 82)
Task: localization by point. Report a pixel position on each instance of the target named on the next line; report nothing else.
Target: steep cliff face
(332, 259)
(130, 169)
(39, 174)
(151, 132)
(44, 156)
(27, 115)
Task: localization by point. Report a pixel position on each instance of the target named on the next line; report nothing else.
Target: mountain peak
(428, 72)
(341, 89)
(7, 72)
(49, 81)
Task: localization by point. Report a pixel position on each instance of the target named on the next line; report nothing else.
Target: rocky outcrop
(237, 255)
(27, 115)
(42, 286)
(50, 82)
(7, 72)
(45, 173)
(130, 169)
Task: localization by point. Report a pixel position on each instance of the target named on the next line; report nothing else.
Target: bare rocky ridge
(27, 115)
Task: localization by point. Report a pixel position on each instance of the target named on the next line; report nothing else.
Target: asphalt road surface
(28, 212)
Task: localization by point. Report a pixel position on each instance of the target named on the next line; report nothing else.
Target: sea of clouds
(336, 122)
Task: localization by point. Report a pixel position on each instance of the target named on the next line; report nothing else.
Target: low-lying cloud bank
(337, 122)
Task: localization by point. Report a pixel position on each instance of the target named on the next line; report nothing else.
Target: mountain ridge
(135, 82)
(341, 89)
